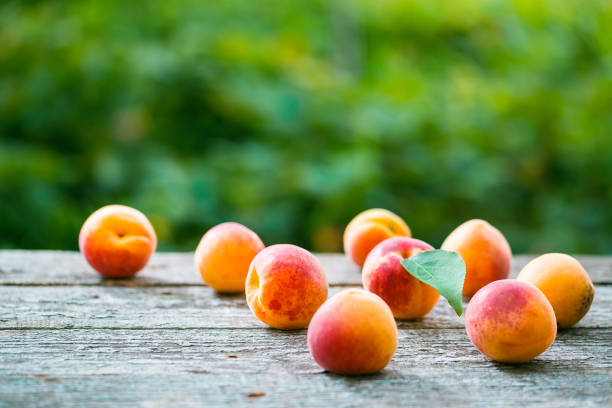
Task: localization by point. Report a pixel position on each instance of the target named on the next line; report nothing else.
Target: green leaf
(443, 270)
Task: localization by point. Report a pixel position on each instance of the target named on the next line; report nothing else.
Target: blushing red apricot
(224, 255)
(368, 229)
(510, 321)
(384, 275)
(285, 286)
(117, 241)
(484, 249)
(353, 333)
(564, 282)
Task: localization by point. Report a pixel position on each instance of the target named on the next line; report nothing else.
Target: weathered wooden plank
(67, 267)
(102, 368)
(183, 307)
(62, 267)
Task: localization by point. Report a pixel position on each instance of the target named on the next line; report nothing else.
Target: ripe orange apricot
(368, 229)
(353, 333)
(224, 255)
(384, 275)
(510, 321)
(117, 241)
(484, 249)
(285, 286)
(565, 283)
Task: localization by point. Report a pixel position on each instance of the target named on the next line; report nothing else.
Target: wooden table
(68, 338)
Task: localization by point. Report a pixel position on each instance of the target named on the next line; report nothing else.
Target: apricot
(384, 275)
(353, 333)
(285, 286)
(117, 241)
(510, 321)
(564, 282)
(368, 229)
(484, 249)
(224, 255)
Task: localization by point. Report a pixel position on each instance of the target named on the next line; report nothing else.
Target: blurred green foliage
(291, 117)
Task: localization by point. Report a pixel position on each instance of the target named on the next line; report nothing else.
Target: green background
(291, 117)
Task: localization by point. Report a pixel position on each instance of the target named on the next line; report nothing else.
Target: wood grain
(184, 307)
(164, 269)
(71, 339)
(214, 368)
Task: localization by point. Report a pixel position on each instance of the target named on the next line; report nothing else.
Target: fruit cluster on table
(354, 331)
